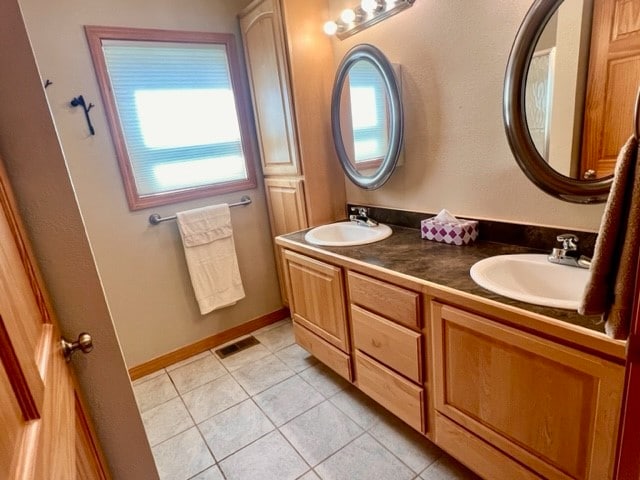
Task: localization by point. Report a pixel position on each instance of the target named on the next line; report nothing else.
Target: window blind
(178, 114)
(369, 112)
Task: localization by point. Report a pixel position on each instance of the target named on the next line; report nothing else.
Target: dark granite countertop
(407, 253)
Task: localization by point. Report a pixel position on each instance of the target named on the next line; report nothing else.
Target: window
(177, 112)
(369, 116)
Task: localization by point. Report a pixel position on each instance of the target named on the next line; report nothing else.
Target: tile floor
(273, 412)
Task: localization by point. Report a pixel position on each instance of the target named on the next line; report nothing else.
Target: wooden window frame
(95, 36)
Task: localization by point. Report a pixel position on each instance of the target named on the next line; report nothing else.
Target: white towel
(207, 237)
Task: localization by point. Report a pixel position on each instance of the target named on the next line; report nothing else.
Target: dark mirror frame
(526, 154)
(396, 116)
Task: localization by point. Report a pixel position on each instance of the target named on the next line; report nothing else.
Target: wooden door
(264, 50)
(613, 80)
(552, 408)
(628, 462)
(317, 298)
(44, 433)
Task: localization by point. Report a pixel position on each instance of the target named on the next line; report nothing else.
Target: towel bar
(155, 218)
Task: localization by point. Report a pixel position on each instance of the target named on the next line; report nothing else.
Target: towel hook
(636, 117)
(79, 102)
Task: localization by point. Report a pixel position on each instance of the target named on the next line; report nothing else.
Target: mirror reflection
(556, 86)
(367, 117)
(567, 77)
(364, 117)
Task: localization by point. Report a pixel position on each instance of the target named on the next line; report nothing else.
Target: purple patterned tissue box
(462, 233)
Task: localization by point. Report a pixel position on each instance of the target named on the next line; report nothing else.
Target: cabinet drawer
(323, 351)
(390, 390)
(395, 346)
(395, 303)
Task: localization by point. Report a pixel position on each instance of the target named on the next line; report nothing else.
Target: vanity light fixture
(367, 13)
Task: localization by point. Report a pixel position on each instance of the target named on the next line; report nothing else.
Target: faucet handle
(363, 211)
(569, 241)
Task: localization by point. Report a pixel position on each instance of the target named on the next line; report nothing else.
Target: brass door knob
(84, 344)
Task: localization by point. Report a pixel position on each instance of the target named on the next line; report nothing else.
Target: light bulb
(348, 15)
(330, 27)
(369, 6)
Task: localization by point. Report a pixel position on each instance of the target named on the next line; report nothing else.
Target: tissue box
(459, 233)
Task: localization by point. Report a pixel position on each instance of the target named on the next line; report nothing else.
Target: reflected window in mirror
(365, 129)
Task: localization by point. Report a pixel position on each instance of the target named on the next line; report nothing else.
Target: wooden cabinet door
(317, 297)
(552, 408)
(287, 213)
(613, 80)
(263, 39)
(286, 202)
(44, 431)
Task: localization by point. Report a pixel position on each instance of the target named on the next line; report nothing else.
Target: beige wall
(453, 55)
(142, 267)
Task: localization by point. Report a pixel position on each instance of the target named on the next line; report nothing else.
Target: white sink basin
(344, 234)
(533, 279)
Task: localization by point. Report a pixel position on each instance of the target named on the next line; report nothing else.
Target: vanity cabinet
(290, 67)
(507, 392)
(550, 407)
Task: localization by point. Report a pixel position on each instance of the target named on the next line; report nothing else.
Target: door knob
(589, 174)
(84, 343)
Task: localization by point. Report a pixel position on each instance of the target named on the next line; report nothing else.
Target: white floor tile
(310, 475)
(411, 447)
(277, 338)
(147, 377)
(186, 361)
(359, 408)
(196, 373)
(364, 459)
(325, 380)
(214, 397)
(235, 428)
(288, 399)
(296, 357)
(269, 458)
(347, 437)
(154, 391)
(166, 420)
(262, 374)
(320, 432)
(212, 473)
(447, 468)
(182, 456)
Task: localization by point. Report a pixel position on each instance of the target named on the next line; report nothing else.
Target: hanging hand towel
(611, 286)
(207, 237)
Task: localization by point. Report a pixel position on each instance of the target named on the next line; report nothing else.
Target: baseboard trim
(187, 351)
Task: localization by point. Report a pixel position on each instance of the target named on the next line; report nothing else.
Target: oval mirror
(549, 86)
(367, 117)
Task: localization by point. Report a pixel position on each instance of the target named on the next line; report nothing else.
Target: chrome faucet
(361, 217)
(568, 254)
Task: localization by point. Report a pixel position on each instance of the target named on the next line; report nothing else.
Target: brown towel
(610, 289)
